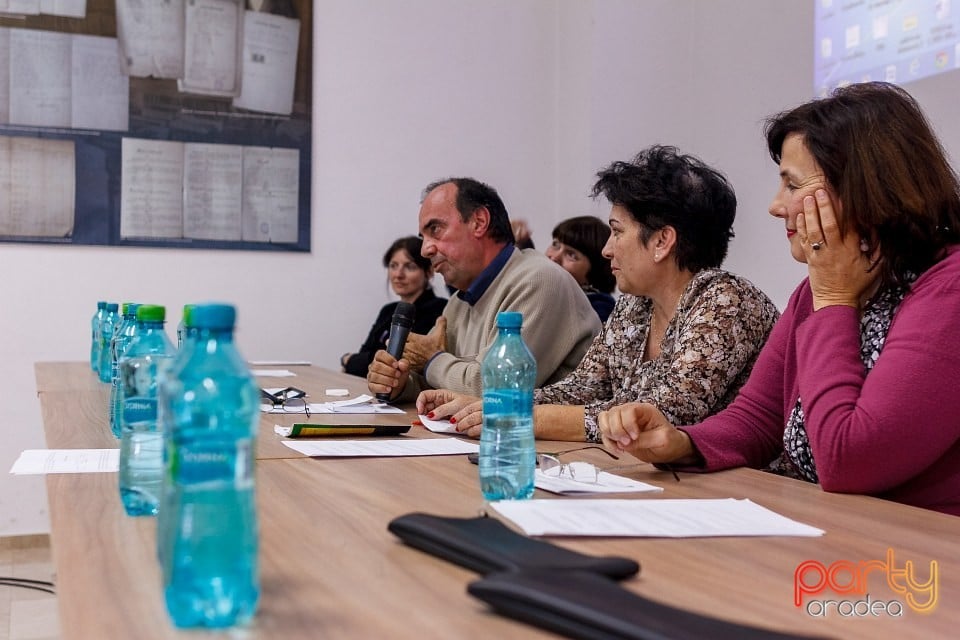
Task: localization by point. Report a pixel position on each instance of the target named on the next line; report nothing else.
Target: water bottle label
(139, 409)
(508, 401)
(214, 462)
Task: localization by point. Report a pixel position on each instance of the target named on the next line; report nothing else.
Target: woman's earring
(864, 245)
(656, 256)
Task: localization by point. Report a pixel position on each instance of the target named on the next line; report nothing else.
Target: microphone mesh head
(404, 314)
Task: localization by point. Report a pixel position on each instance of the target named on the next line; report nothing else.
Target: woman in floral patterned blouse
(683, 334)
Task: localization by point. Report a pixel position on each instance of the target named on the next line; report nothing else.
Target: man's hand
(419, 349)
(387, 374)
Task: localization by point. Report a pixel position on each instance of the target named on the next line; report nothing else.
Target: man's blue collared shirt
(479, 287)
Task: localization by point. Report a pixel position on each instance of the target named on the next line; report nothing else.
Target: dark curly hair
(881, 158)
(661, 187)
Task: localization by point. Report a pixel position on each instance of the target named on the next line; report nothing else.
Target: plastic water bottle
(187, 334)
(142, 368)
(110, 319)
(95, 335)
(182, 327)
(210, 565)
(123, 335)
(507, 454)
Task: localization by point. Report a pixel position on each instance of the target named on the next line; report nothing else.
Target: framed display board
(169, 123)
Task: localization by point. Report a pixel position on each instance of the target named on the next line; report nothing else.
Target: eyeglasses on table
(289, 400)
(579, 471)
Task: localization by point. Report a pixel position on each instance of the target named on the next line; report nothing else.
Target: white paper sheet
(41, 461)
(606, 483)
(37, 187)
(269, 63)
(212, 191)
(271, 186)
(279, 363)
(151, 37)
(438, 426)
(151, 188)
(649, 518)
(273, 373)
(379, 447)
(212, 47)
(100, 92)
(360, 404)
(40, 78)
(4, 74)
(66, 8)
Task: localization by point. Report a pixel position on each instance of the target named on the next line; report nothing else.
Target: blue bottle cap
(213, 316)
(510, 319)
(112, 306)
(101, 304)
(151, 313)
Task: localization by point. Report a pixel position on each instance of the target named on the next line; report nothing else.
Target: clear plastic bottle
(110, 319)
(142, 368)
(210, 565)
(123, 335)
(182, 327)
(95, 335)
(187, 334)
(507, 454)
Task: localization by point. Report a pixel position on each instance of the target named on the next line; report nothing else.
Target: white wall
(533, 96)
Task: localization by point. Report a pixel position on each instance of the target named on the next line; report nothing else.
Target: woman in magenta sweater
(856, 387)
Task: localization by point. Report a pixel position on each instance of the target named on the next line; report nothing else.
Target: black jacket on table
(429, 307)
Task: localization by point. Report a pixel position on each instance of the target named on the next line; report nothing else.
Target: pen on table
(673, 471)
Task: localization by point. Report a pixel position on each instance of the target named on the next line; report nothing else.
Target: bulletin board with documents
(168, 123)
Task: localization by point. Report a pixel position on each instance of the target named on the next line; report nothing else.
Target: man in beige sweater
(467, 236)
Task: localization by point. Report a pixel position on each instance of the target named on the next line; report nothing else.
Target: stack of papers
(39, 461)
(649, 518)
(606, 483)
(382, 448)
(360, 404)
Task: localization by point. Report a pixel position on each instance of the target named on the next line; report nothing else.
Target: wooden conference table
(329, 567)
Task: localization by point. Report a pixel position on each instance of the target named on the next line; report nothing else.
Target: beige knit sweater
(558, 326)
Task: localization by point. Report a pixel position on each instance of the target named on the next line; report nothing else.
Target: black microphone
(399, 330)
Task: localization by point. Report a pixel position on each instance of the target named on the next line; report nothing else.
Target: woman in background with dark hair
(856, 389)
(578, 248)
(410, 275)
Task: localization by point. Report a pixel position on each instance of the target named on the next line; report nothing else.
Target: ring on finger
(816, 245)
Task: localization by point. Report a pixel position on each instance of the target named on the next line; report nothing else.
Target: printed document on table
(649, 518)
(272, 373)
(606, 483)
(381, 448)
(40, 461)
(360, 404)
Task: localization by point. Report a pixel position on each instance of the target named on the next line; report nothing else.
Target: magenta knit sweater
(894, 433)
